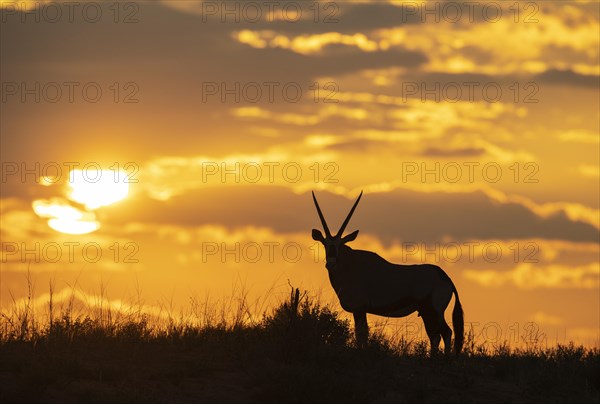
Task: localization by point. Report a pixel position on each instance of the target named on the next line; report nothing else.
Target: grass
(299, 352)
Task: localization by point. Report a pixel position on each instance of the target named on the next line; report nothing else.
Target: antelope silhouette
(366, 283)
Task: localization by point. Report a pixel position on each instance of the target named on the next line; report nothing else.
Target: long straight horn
(323, 222)
(349, 216)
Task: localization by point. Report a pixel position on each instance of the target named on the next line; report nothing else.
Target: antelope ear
(317, 235)
(350, 237)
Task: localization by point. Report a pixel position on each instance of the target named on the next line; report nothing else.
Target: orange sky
(473, 131)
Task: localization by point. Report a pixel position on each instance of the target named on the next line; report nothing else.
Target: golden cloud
(530, 276)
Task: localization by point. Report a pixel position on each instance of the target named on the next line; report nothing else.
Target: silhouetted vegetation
(300, 352)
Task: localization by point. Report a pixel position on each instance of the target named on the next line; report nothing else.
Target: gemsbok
(367, 283)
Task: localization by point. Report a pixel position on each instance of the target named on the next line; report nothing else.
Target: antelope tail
(458, 322)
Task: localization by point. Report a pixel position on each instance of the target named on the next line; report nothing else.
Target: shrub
(300, 327)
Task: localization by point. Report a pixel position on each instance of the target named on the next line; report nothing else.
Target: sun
(97, 188)
(91, 188)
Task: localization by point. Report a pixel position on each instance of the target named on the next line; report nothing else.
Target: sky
(168, 149)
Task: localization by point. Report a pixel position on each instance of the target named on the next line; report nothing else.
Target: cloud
(29, 244)
(465, 152)
(395, 214)
(321, 114)
(365, 120)
(525, 46)
(546, 319)
(164, 177)
(305, 44)
(589, 171)
(555, 76)
(530, 276)
(464, 44)
(579, 136)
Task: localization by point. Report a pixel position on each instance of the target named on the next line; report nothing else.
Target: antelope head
(331, 243)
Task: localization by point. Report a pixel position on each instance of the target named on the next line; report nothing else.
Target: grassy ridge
(301, 352)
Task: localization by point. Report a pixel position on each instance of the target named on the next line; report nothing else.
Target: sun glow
(65, 218)
(96, 188)
(73, 226)
(56, 208)
(91, 189)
